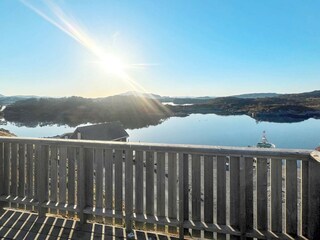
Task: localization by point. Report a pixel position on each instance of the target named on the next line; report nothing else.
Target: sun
(113, 65)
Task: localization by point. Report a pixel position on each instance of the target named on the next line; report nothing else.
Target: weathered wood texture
(155, 187)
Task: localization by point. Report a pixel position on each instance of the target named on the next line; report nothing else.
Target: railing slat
(30, 174)
(118, 183)
(14, 171)
(161, 188)
(314, 200)
(108, 163)
(249, 193)
(291, 197)
(63, 176)
(305, 194)
(129, 190)
(262, 194)
(99, 179)
(276, 195)
(196, 192)
(81, 186)
(88, 162)
(21, 172)
(71, 177)
(150, 187)
(208, 193)
(53, 176)
(172, 189)
(42, 178)
(139, 173)
(186, 189)
(221, 192)
(2, 204)
(235, 192)
(6, 168)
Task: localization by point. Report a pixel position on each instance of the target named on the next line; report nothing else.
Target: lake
(206, 129)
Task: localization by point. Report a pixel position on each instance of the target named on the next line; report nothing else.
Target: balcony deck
(16, 224)
(183, 190)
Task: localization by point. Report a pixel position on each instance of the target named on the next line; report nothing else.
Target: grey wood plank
(196, 192)
(88, 162)
(249, 193)
(129, 190)
(21, 173)
(150, 187)
(243, 197)
(37, 157)
(30, 174)
(262, 194)
(172, 189)
(118, 183)
(221, 192)
(42, 178)
(1, 168)
(99, 179)
(305, 195)
(235, 192)
(276, 195)
(183, 192)
(139, 190)
(314, 200)
(53, 176)
(71, 177)
(62, 176)
(208, 193)
(161, 188)
(108, 164)
(81, 186)
(6, 166)
(291, 198)
(14, 171)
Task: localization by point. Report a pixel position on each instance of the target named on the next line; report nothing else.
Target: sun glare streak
(110, 63)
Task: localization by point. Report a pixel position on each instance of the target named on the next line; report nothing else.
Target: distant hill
(140, 94)
(7, 100)
(281, 108)
(256, 95)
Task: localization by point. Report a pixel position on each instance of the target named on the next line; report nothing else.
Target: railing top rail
(301, 154)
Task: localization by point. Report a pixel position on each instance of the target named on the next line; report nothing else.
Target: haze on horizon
(177, 48)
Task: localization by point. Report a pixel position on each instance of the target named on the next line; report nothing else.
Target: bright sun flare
(112, 65)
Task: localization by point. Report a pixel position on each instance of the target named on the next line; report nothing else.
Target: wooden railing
(208, 192)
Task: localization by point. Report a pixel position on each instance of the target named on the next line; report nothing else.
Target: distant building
(111, 131)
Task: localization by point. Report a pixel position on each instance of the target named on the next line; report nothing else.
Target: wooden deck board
(16, 224)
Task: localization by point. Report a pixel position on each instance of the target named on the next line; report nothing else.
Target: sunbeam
(110, 63)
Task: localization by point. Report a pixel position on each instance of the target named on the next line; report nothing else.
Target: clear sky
(98, 48)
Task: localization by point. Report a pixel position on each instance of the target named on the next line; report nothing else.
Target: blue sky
(178, 48)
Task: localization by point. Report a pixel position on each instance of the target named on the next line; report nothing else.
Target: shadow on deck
(25, 225)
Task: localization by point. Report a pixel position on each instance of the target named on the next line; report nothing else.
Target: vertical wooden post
(291, 198)
(150, 187)
(221, 193)
(81, 191)
(234, 168)
(208, 193)
(1, 174)
(276, 195)
(129, 191)
(314, 200)
(182, 184)
(243, 197)
(172, 189)
(161, 188)
(42, 179)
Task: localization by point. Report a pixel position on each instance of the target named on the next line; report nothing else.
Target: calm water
(208, 129)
